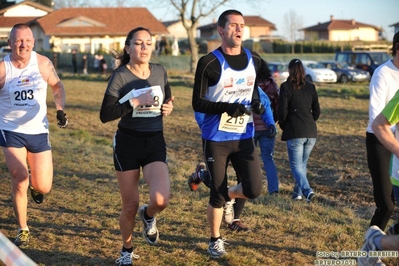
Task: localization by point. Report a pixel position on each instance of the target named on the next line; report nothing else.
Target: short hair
(223, 17)
(395, 44)
(264, 72)
(18, 27)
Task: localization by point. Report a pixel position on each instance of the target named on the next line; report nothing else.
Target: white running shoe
(126, 258)
(216, 249)
(369, 245)
(229, 211)
(150, 231)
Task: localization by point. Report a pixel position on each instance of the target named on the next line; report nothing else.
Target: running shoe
(195, 179)
(22, 238)
(36, 195)
(369, 245)
(126, 258)
(206, 178)
(150, 231)
(296, 197)
(229, 211)
(216, 249)
(236, 225)
(393, 230)
(310, 196)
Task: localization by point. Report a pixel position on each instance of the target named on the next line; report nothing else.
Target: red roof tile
(258, 21)
(249, 21)
(339, 25)
(112, 21)
(11, 21)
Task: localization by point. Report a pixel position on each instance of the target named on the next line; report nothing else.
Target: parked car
(316, 72)
(5, 50)
(279, 71)
(365, 60)
(346, 73)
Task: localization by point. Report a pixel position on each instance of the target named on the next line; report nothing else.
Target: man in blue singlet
(224, 90)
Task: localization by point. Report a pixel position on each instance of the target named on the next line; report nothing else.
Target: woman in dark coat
(298, 111)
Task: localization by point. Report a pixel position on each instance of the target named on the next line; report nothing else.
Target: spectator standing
(383, 86)
(103, 65)
(84, 64)
(96, 63)
(265, 129)
(299, 110)
(74, 62)
(175, 47)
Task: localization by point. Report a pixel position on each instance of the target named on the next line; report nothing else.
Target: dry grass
(78, 222)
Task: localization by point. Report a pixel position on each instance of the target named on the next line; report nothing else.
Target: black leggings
(238, 206)
(245, 161)
(378, 159)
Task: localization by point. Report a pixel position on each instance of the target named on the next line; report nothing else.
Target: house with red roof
(396, 27)
(24, 12)
(86, 30)
(342, 30)
(255, 27)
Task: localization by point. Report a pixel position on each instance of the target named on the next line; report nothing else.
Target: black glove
(271, 131)
(258, 108)
(237, 109)
(62, 119)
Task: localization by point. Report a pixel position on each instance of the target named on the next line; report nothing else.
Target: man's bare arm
(382, 130)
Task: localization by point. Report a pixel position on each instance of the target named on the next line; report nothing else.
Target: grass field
(78, 222)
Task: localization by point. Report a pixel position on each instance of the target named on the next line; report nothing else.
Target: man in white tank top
(24, 132)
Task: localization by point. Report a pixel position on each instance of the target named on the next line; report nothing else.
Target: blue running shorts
(33, 143)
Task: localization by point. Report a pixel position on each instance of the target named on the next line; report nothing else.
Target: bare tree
(188, 11)
(48, 3)
(193, 11)
(293, 23)
(58, 4)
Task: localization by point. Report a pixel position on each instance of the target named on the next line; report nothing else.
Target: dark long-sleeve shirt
(298, 111)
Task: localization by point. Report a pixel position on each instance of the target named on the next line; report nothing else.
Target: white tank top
(23, 107)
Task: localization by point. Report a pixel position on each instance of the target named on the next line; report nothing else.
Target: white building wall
(362, 34)
(24, 11)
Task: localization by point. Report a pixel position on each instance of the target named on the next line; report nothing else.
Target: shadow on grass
(60, 258)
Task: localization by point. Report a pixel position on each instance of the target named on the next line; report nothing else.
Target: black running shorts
(132, 152)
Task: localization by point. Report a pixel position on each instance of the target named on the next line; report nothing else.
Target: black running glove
(271, 131)
(237, 109)
(257, 107)
(62, 119)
